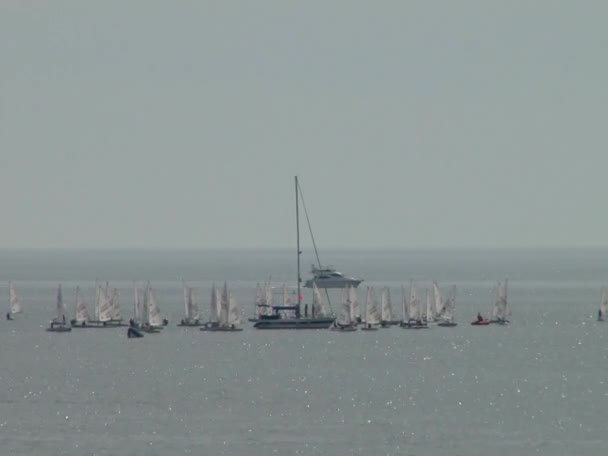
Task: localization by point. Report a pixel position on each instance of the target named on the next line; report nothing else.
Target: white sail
(192, 304)
(137, 305)
(214, 305)
(269, 299)
(354, 304)
(386, 305)
(103, 304)
(186, 303)
(319, 307)
(115, 305)
(14, 303)
(154, 316)
(501, 308)
(260, 301)
(413, 309)
(224, 306)
(82, 313)
(372, 310)
(404, 316)
(61, 310)
(346, 311)
(449, 306)
(603, 304)
(437, 300)
(234, 313)
(429, 313)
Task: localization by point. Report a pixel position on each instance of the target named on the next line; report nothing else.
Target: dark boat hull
(134, 333)
(295, 323)
(412, 325)
(59, 329)
(220, 329)
(447, 324)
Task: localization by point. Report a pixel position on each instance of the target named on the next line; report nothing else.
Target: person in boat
(8, 315)
(305, 310)
(600, 317)
(369, 325)
(479, 317)
(63, 318)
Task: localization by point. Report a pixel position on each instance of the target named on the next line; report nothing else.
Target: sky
(412, 124)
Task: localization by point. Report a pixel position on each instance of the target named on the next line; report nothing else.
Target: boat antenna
(312, 237)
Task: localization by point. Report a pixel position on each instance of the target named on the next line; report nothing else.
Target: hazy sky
(424, 123)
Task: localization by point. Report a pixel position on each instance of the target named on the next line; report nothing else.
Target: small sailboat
(229, 313)
(501, 309)
(446, 315)
(14, 304)
(81, 313)
(153, 320)
(603, 310)
(372, 311)
(58, 324)
(386, 309)
(412, 318)
(344, 322)
(191, 308)
(320, 309)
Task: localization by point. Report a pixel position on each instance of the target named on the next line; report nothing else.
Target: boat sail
(414, 317)
(344, 322)
(448, 309)
(228, 315)
(319, 307)
(372, 311)
(190, 307)
(501, 309)
(386, 308)
(296, 321)
(81, 313)
(58, 324)
(355, 307)
(14, 304)
(603, 310)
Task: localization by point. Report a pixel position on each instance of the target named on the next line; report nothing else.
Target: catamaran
(58, 324)
(296, 321)
(372, 311)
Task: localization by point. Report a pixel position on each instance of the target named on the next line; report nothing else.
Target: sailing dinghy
(58, 324)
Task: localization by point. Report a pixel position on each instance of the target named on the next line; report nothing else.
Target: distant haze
(410, 123)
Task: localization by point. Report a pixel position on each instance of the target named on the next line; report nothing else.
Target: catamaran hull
(295, 323)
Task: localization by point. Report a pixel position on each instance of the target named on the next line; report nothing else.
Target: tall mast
(299, 252)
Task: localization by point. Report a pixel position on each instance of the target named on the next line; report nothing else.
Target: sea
(538, 386)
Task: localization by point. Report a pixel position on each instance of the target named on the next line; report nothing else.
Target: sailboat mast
(298, 243)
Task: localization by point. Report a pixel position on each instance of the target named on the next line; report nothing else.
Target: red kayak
(480, 322)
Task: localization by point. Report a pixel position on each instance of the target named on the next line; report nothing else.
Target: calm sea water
(538, 386)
